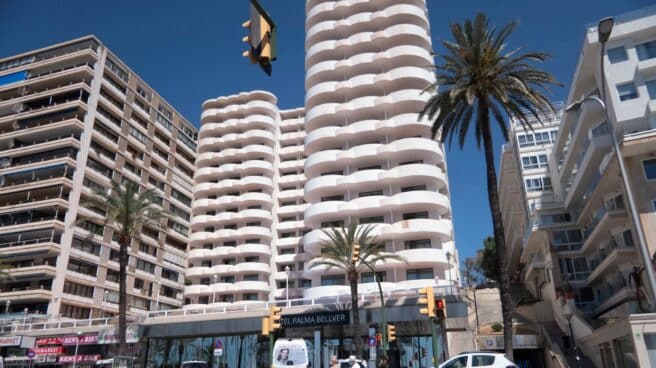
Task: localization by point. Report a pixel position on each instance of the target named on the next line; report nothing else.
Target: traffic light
(265, 326)
(391, 333)
(274, 318)
(261, 37)
(427, 298)
(440, 305)
(355, 253)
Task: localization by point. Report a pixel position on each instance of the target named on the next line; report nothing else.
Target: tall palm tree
(479, 77)
(127, 208)
(337, 252)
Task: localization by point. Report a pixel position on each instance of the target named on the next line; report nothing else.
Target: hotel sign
(316, 319)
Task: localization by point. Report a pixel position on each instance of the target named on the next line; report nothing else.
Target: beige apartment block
(574, 244)
(73, 118)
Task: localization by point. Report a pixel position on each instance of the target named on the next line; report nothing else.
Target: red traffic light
(439, 303)
(379, 338)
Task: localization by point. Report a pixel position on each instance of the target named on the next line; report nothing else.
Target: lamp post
(105, 294)
(77, 344)
(25, 316)
(7, 304)
(287, 285)
(448, 260)
(604, 30)
(216, 279)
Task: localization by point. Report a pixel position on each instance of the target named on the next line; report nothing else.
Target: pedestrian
(383, 363)
(333, 362)
(353, 362)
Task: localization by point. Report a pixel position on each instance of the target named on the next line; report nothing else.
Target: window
(417, 244)
(82, 267)
(420, 274)
(249, 241)
(332, 198)
(459, 362)
(371, 193)
(526, 140)
(138, 283)
(228, 279)
(649, 166)
(650, 342)
(250, 296)
(565, 240)
(627, 91)
(145, 266)
(86, 245)
(137, 134)
(74, 312)
(482, 360)
(574, 268)
(369, 277)
(534, 162)
(372, 220)
(252, 277)
(336, 223)
(109, 64)
(170, 275)
(112, 276)
(415, 215)
(78, 289)
(628, 238)
(651, 89)
(252, 259)
(413, 188)
(617, 54)
(646, 50)
(306, 284)
(332, 280)
(538, 184)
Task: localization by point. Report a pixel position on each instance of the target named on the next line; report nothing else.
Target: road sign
(30, 353)
(371, 341)
(218, 352)
(218, 344)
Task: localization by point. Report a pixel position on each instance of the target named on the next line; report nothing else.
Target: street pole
(270, 348)
(383, 327)
(448, 260)
(576, 349)
(644, 251)
(215, 278)
(287, 285)
(77, 344)
(436, 355)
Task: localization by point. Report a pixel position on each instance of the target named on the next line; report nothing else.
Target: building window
(649, 166)
(650, 342)
(145, 266)
(417, 244)
(252, 277)
(651, 89)
(306, 284)
(369, 277)
(646, 50)
(525, 140)
(565, 240)
(372, 220)
(420, 274)
(624, 349)
(228, 279)
(332, 280)
(371, 193)
(78, 289)
(170, 275)
(617, 54)
(538, 184)
(138, 283)
(250, 296)
(332, 198)
(82, 267)
(534, 162)
(627, 91)
(413, 188)
(415, 215)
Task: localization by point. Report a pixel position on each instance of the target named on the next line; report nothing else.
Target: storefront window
(650, 342)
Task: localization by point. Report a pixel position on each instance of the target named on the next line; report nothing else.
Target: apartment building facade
(579, 249)
(270, 180)
(74, 118)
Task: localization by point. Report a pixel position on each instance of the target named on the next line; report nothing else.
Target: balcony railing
(75, 136)
(33, 123)
(55, 238)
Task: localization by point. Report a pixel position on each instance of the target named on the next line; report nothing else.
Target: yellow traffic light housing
(355, 253)
(261, 38)
(265, 326)
(427, 298)
(391, 333)
(274, 318)
(441, 308)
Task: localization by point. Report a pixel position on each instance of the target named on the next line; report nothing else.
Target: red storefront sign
(49, 350)
(68, 340)
(79, 358)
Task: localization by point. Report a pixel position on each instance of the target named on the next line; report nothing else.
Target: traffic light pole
(383, 326)
(436, 354)
(271, 348)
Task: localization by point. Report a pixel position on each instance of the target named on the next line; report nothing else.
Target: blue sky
(190, 51)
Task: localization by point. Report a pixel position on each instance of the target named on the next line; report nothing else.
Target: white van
(290, 353)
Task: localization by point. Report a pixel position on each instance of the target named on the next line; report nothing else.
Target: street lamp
(216, 279)
(7, 304)
(25, 316)
(77, 344)
(448, 260)
(287, 284)
(604, 29)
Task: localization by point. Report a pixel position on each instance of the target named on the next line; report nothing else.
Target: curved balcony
(198, 238)
(404, 77)
(251, 122)
(405, 229)
(250, 286)
(250, 152)
(359, 22)
(400, 175)
(249, 267)
(197, 272)
(218, 252)
(398, 34)
(213, 173)
(341, 68)
(255, 136)
(406, 149)
(318, 10)
(423, 257)
(290, 194)
(240, 99)
(418, 284)
(405, 201)
(329, 136)
(394, 103)
(247, 199)
(288, 242)
(292, 210)
(291, 179)
(247, 183)
(198, 222)
(319, 292)
(238, 111)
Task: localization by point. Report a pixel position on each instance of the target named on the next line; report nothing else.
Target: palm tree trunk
(497, 221)
(122, 296)
(353, 281)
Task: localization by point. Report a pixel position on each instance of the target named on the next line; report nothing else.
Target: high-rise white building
(74, 118)
(270, 180)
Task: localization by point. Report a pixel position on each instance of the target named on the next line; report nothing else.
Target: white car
(479, 359)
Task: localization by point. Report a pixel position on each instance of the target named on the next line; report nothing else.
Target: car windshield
(194, 365)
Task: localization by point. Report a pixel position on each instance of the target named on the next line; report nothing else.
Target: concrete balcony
(211, 129)
(203, 205)
(255, 136)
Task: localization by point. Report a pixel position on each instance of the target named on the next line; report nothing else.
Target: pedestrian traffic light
(355, 253)
(440, 306)
(391, 333)
(261, 37)
(427, 299)
(265, 326)
(274, 318)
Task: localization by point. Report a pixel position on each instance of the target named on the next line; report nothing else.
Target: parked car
(479, 359)
(194, 364)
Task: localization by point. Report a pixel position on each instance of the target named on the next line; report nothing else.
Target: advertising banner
(49, 350)
(68, 340)
(79, 358)
(110, 336)
(10, 340)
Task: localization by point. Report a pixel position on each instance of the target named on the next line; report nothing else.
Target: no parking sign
(218, 347)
